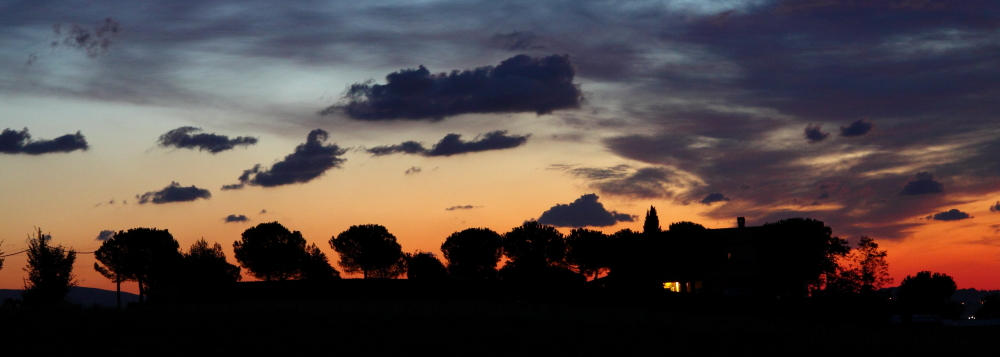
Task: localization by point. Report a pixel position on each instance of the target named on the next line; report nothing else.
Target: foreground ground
(461, 328)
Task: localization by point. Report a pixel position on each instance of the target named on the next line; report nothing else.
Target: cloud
(815, 133)
(19, 142)
(626, 181)
(263, 211)
(951, 215)
(105, 235)
(516, 41)
(94, 42)
(182, 138)
(857, 128)
(583, 212)
(412, 170)
(995, 207)
(452, 144)
(453, 208)
(309, 161)
(174, 193)
(236, 219)
(517, 84)
(923, 183)
(714, 197)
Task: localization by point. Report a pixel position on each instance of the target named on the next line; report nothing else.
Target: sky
(429, 117)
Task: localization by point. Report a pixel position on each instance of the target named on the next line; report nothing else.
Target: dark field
(464, 328)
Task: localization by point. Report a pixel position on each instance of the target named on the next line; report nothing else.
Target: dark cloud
(583, 212)
(19, 142)
(624, 180)
(453, 208)
(951, 215)
(452, 144)
(412, 170)
(236, 219)
(856, 128)
(517, 84)
(713, 198)
(309, 161)
(105, 235)
(923, 183)
(174, 193)
(815, 133)
(516, 41)
(263, 211)
(94, 41)
(407, 147)
(182, 138)
(995, 207)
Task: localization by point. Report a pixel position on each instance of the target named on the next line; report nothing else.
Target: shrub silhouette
(473, 253)
(371, 250)
(316, 266)
(206, 266)
(424, 266)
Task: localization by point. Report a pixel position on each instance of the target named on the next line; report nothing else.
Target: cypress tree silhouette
(652, 223)
(50, 272)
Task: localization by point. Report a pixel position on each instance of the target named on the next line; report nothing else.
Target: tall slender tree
(50, 271)
(652, 223)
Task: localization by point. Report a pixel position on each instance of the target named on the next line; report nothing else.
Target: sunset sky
(430, 117)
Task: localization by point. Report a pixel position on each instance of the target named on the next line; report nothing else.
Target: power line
(24, 251)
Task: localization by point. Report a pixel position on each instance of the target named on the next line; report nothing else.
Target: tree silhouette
(990, 308)
(473, 253)
(865, 270)
(271, 252)
(149, 256)
(796, 254)
(534, 244)
(424, 266)
(371, 250)
(50, 272)
(206, 267)
(589, 251)
(316, 266)
(927, 286)
(637, 260)
(929, 293)
(652, 223)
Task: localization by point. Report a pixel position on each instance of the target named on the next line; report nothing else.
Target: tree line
(792, 253)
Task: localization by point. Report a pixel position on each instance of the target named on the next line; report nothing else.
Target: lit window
(672, 286)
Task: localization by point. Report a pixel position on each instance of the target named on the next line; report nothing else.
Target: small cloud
(583, 212)
(236, 219)
(174, 193)
(857, 128)
(516, 41)
(452, 144)
(453, 208)
(922, 183)
(995, 207)
(815, 133)
(182, 138)
(19, 142)
(412, 170)
(263, 211)
(713, 198)
(309, 161)
(94, 42)
(105, 235)
(518, 84)
(951, 215)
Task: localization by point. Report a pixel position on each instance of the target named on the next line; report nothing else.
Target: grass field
(461, 328)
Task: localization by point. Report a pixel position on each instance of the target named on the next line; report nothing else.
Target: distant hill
(968, 297)
(83, 296)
